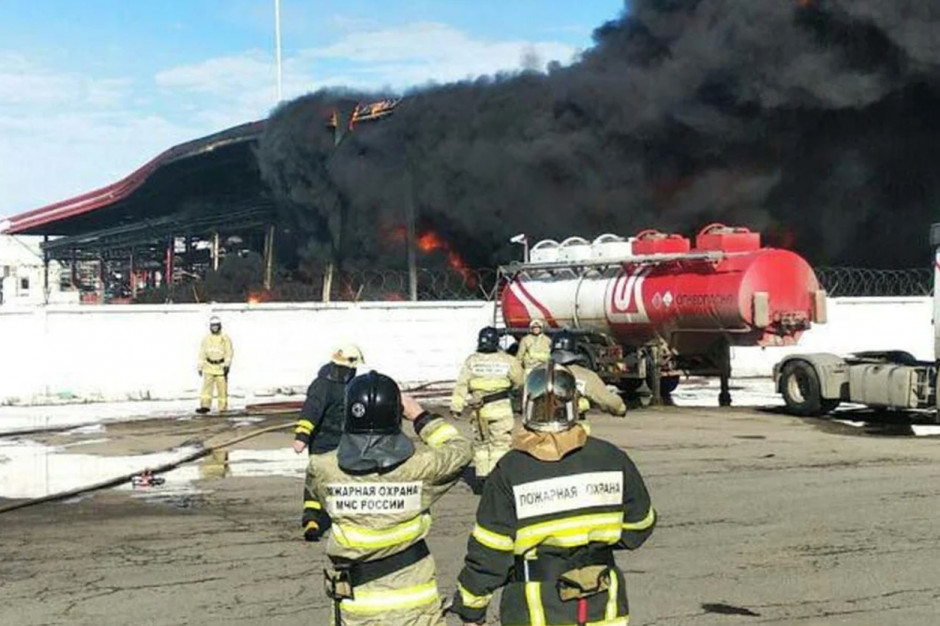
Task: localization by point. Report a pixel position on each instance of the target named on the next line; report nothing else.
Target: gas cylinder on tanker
(652, 306)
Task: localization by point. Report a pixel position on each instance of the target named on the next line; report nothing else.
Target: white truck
(815, 384)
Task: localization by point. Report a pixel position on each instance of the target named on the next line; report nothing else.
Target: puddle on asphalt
(29, 469)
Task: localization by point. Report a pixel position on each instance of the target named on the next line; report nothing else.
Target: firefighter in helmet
(377, 489)
(591, 389)
(321, 418)
(534, 348)
(486, 380)
(215, 359)
(550, 517)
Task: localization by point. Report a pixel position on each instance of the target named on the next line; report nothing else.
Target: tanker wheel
(799, 384)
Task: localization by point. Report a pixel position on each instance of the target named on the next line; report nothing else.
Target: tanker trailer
(815, 384)
(651, 307)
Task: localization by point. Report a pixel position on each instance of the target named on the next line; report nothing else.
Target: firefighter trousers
(408, 596)
(495, 423)
(220, 383)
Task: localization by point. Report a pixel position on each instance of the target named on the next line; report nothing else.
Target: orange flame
(256, 297)
(431, 241)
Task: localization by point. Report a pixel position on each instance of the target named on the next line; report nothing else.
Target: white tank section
(610, 247)
(545, 251)
(574, 249)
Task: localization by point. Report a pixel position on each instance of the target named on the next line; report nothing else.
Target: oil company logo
(625, 297)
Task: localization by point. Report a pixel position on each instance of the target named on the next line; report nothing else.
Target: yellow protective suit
(379, 514)
(593, 392)
(484, 374)
(215, 359)
(534, 350)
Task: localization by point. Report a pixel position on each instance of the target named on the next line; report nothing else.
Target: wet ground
(764, 519)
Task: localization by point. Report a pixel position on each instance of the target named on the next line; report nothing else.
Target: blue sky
(91, 89)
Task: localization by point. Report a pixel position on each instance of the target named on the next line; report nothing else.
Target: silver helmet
(550, 399)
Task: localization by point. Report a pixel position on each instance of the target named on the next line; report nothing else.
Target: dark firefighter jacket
(321, 418)
(589, 502)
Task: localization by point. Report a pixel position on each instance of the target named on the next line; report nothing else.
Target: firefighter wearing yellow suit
(534, 348)
(377, 489)
(215, 359)
(592, 391)
(551, 516)
(484, 385)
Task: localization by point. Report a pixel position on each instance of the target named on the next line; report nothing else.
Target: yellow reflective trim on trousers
(473, 601)
(611, 611)
(492, 540)
(569, 532)
(354, 536)
(367, 602)
(643, 524)
(311, 526)
(489, 384)
(312, 504)
(619, 621)
(441, 435)
(533, 600)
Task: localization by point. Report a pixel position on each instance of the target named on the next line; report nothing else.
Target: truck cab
(815, 384)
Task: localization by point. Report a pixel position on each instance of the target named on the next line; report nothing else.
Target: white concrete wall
(854, 324)
(131, 352)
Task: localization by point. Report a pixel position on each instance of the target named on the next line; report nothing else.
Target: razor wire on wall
(849, 282)
(463, 284)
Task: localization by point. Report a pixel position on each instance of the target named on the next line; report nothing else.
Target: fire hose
(126, 478)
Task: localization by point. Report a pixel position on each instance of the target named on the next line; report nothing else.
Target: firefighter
(377, 490)
(215, 360)
(484, 385)
(550, 517)
(535, 348)
(591, 389)
(321, 418)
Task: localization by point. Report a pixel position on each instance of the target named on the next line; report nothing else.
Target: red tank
(657, 286)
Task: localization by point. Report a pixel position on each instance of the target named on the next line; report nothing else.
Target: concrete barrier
(73, 353)
(150, 352)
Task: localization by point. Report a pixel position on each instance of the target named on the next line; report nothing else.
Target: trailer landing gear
(724, 372)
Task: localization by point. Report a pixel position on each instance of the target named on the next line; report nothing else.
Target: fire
(257, 297)
(430, 241)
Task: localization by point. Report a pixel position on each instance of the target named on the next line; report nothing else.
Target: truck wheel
(668, 384)
(799, 385)
(629, 386)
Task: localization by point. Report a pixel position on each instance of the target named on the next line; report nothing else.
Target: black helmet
(565, 348)
(488, 340)
(372, 437)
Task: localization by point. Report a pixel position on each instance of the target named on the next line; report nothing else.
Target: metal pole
(169, 270)
(268, 257)
(133, 276)
(45, 269)
(215, 251)
(277, 44)
(411, 237)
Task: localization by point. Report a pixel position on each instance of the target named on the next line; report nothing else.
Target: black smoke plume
(816, 122)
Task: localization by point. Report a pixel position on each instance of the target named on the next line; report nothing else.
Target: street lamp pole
(277, 45)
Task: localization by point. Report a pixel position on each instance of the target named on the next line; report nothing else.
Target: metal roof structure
(187, 190)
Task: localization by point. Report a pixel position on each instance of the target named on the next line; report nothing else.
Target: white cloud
(242, 86)
(436, 52)
(65, 134)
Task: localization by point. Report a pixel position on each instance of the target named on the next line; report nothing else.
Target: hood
(369, 453)
(549, 446)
